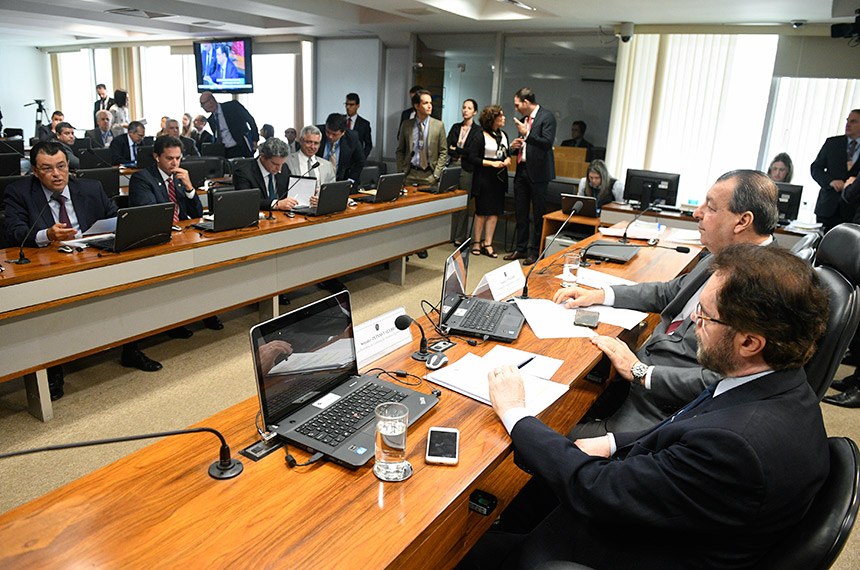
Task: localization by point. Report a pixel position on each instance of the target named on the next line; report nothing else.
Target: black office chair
(809, 240)
(837, 263)
(369, 176)
(9, 132)
(234, 163)
(819, 538)
(807, 254)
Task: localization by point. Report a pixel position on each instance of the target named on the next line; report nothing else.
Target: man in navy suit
(720, 483)
(270, 174)
(838, 159)
(344, 146)
(232, 125)
(49, 207)
(535, 168)
(225, 68)
(358, 124)
(124, 148)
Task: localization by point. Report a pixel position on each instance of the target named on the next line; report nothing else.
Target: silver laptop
(311, 393)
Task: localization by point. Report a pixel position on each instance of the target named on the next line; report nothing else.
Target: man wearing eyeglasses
(741, 207)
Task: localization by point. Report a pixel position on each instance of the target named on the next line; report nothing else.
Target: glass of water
(569, 275)
(391, 422)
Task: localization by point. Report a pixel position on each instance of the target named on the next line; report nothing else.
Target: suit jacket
(350, 158)
(581, 143)
(25, 203)
(120, 153)
(539, 157)
(189, 147)
(97, 108)
(437, 146)
(44, 133)
(471, 154)
(248, 175)
(203, 137)
(95, 136)
(147, 187)
(831, 164)
(230, 71)
(716, 488)
(298, 166)
(363, 130)
(241, 124)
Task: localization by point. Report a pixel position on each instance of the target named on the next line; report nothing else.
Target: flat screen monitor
(12, 146)
(648, 187)
(224, 65)
(201, 168)
(788, 202)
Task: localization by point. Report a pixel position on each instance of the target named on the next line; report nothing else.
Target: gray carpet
(205, 374)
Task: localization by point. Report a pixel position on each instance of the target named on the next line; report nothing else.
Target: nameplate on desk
(379, 336)
(501, 282)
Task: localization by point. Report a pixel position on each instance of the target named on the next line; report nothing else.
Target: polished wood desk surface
(159, 507)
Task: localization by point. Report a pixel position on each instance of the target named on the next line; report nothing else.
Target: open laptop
(471, 316)
(145, 159)
(448, 182)
(387, 190)
(138, 226)
(231, 210)
(315, 382)
(109, 178)
(332, 199)
(589, 205)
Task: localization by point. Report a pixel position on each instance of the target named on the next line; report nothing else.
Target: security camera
(626, 31)
(797, 24)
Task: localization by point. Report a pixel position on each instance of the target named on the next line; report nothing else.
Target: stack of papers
(468, 376)
(551, 320)
(637, 230)
(597, 279)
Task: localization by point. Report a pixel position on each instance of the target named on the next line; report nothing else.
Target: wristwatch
(639, 371)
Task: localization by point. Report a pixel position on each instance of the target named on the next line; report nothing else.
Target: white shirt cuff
(648, 378)
(613, 447)
(190, 193)
(42, 238)
(512, 416)
(608, 296)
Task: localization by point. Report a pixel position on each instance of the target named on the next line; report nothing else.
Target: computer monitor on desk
(648, 187)
(201, 168)
(788, 202)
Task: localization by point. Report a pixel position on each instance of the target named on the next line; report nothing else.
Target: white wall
(25, 76)
(397, 81)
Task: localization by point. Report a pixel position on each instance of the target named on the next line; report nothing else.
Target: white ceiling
(65, 22)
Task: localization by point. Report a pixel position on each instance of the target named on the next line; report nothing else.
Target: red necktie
(673, 326)
(349, 123)
(64, 215)
(171, 193)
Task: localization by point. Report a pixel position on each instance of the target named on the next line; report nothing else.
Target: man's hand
(837, 185)
(573, 297)
(271, 351)
(182, 175)
(622, 358)
(506, 389)
(522, 128)
(286, 203)
(850, 181)
(517, 143)
(594, 446)
(59, 232)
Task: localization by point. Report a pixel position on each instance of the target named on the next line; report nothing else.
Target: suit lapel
(39, 201)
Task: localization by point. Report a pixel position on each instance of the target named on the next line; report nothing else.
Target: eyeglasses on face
(699, 316)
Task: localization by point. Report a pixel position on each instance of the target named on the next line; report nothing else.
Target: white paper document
(379, 336)
(680, 235)
(336, 355)
(468, 376)
(637, 230)
(597, 279)
(302, 190)
(107, 226)
(551, 320)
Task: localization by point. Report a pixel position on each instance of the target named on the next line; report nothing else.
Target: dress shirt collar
(48, 193)
(533, 114)
(164, 176)
(731, 383)
(263, 171)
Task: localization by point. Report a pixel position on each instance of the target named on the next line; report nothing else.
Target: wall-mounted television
(224, 65)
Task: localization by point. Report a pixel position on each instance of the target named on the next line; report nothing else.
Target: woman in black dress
(465, 146)
(491, 180)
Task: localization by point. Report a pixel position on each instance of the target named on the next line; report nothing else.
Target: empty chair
(806, 254)
(809, 240)
(9, 132)
(369, 176)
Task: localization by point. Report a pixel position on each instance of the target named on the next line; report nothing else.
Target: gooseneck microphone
(225, 468)
(576, 208)
(22, 259)
(402, 323)
(650, 207)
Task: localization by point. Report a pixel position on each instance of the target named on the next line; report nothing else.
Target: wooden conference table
(158, 507)
(64, 306)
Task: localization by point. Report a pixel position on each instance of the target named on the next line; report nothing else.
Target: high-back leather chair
(837, 263)
(809, 240)
(818, 539)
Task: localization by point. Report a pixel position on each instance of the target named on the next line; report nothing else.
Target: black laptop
(332, 199)
(589, 205)
(448, 182)
(232, 209)
(612, 251)
(388, 189)
(311, 393)
(471, 316)
(145, 159)
(138, 226)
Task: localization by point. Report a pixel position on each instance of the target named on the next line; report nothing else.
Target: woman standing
(119, 113)
(491, 182)
(598, 184)
(464, 150)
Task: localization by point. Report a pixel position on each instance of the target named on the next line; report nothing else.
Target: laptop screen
(454, 279)
(302, 355)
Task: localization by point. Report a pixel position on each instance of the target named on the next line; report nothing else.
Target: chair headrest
(840, 249)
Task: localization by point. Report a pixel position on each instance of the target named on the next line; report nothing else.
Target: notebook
(332, 199)
(387, 190)
(138, 226)
(471, 316)
(448, 182)
(307, 380)
(232, 209)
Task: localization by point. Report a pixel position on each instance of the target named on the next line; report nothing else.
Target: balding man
(101, 136)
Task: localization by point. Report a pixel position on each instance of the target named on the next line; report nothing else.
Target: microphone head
(682, 249)
(403, 322)
(314, 165)
(577, 207)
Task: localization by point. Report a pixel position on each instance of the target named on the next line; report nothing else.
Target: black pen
(521, 364)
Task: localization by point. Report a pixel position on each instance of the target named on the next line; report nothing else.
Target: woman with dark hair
(267, 131)
(781, 169)
(491, 182)
(119, 113)
(464, 150)
(597, 183)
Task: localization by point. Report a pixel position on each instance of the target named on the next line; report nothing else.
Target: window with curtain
(168, 86)
(273, 98)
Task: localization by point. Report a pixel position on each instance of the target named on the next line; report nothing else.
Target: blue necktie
(272, 194)
(705, 396)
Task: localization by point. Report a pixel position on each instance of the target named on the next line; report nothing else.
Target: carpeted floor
(205, 374)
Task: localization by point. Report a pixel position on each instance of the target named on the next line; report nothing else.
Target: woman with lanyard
(491, 181)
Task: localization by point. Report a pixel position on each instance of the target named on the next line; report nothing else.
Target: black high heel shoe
(489, 251)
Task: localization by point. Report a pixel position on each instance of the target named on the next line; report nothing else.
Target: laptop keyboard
(103, 243)
(484, 315)
(367, 199)
(348, 415)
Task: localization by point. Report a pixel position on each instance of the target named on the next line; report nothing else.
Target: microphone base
(216, 471)
(421, 356)
(270, 216)
(19, 261)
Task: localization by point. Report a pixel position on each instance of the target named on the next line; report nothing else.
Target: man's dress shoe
(846, 383)
(529, 260)
(848, 399)
(137, 359)
(180, 332)
(213, 323)
(514, 255)
(422, 254)
(55, 382)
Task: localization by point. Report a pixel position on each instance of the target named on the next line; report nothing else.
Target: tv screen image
(224, 65)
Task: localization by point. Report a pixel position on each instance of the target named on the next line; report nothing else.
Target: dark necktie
(216, 132)
(272, 194)
(422, 145)
(64, 215)
(171, 193)
(134, 152)
(349, 123)
(705, 396)
(852, 146)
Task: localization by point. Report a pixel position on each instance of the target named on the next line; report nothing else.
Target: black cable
(397, 376)
(291, 461)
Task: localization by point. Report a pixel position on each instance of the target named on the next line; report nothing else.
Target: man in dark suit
(166, 181)
(270, 174)
(201, 135)
(171, 127)
(207, 61)
(65, 135)
(123, 148)
(720, 483)
(741, 207)
(103, 103)
(535, 168)
(46, 132)
(838, 159)
(49, 207)
(225, 68)
(232, 125)
(577, 136)
(342, 148)
(357, 124)
(101, 136)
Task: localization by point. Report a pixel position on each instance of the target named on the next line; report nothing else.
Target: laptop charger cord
(291, 461)
(397, 376)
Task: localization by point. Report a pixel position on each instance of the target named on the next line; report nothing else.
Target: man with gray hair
(305, 162)
(189, 148)
(740, 208)
(269, 173)
(101, 136)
